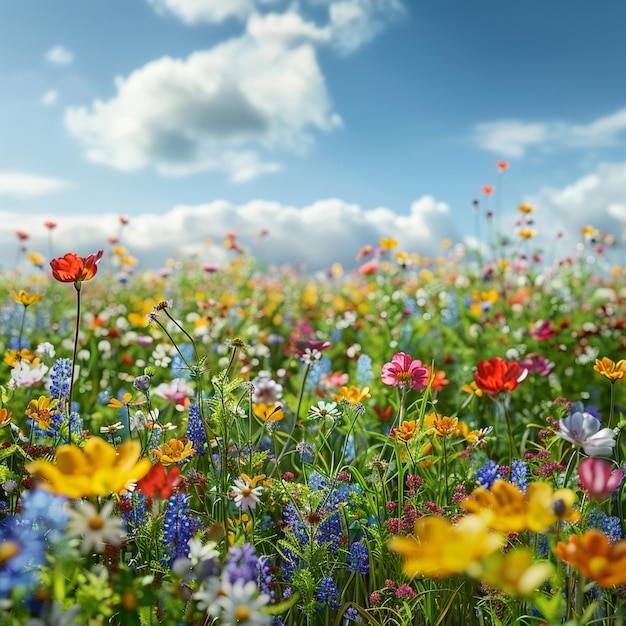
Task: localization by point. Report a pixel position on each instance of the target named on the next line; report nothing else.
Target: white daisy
(245, 493)
(97, 527)
(240, 604)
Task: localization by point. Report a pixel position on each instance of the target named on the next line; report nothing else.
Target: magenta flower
(403, 370)
(597, 479)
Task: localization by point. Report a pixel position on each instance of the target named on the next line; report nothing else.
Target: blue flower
(487, 474)
(328, 593)
(195, 429)
(358, 558)
(242, 564)
(22, 552)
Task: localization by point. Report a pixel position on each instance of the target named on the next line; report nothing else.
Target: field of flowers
(420, 441)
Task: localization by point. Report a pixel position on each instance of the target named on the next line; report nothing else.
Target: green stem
(77, 285)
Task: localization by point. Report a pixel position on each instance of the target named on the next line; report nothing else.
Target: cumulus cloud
(596, 199)
(50, 97)
(513, 138)
(316, 235)
(58, 55)
(22, 184)
(230, 108)
(350, 23)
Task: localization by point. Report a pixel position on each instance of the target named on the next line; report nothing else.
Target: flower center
(96, 523)
(242, 613)
(246, 491)
(8, 550)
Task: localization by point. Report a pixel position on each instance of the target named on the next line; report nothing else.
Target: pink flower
(597, 479)
(404, 370)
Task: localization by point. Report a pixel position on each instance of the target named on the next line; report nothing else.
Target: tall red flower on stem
(72, 268)
(498, 375)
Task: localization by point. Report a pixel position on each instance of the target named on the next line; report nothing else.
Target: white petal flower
(583, 430)
(97, 527)
(240, 604)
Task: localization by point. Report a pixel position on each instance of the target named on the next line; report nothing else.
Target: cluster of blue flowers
(179, 527)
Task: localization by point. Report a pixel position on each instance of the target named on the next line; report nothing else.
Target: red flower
(21, 235)
(159, 483)
(502, 166)
(72, 268)
(124, 220)
(50, 225)
(498, 375)
(487, 190)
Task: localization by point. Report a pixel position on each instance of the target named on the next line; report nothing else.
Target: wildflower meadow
(418, 441)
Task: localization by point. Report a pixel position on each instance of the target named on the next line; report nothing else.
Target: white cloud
(220, 109)
(197, 11)
(317, 235)
(509, 138)
(58, 55)
(50, 97)
(596, 199)
(21, 184)
(513, 138)
(356, 22)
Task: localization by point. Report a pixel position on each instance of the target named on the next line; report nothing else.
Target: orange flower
(498, 375)
(595, 557)
(72, 268)
(609, 369)
(439, 379)
(405, 432)
(443, 426)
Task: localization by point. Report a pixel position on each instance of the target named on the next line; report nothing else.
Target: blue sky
(329, 122)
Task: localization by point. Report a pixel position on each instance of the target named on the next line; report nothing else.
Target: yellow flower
(515, 572)
(174, 451)
(388, 243)
(98, 469)
(609, 369)
(513, 511)
(527, 233)
(23, 297)
(526, 208)
(268, 412)
(42, 410)
(13, 357)
(37, 259)
(352, 394)
(587, 230)
(472, 388)
(437, 548)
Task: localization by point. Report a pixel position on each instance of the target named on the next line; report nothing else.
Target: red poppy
(72, 268)
(498, 375)
(50, 225)
(124, 220)
(21, 235)
(488, 190)
(158, 482)
(502, 166)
